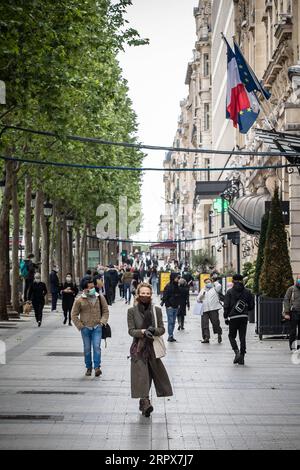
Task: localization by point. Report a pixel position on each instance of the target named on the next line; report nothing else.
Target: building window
(205, 65)
(206, 117)
(207, 166)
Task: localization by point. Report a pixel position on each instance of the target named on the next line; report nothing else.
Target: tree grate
(48, 392)
(65, 354)
(32, 417)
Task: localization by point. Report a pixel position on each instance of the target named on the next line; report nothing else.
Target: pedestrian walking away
(171, 299)
(154, 280)
(54, 287)
(238, 302)
(89, 314)
(127, 279)
(145, 366)
(209, 295)
(29, 271)
(184, 302)
(36, 295)
(68, 292)
(291, 305)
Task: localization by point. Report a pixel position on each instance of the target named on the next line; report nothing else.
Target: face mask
(101, 272)
(144, 299)
(91, 292)
(37, 279)
(209, 285)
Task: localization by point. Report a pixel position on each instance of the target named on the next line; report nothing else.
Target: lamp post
(33, 197)
(48, 209)
(70, 223)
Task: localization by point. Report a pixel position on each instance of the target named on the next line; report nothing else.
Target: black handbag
(106, 329)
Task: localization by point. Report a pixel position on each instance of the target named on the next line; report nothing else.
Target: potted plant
(275, 275)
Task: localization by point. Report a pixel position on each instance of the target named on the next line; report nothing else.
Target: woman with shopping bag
(145, 325)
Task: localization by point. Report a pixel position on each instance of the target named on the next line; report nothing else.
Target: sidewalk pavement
(46, 401)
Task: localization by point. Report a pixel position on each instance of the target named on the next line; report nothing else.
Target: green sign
(93, 258)
(217, 205)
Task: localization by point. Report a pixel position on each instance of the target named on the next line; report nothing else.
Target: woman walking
(144, 323)
(68, 291)
(36, 295)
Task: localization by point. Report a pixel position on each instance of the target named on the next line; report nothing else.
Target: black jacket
(232, 296)
(68, 298)
(171, 295)
(184, 299)
(54, 283)
(37, 293)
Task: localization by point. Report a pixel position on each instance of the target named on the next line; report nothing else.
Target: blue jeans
(154, 283)
(171, 314)
(127, 290)
(92, 337)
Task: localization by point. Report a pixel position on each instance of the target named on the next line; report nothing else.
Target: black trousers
(294, 326)
(67, 310)
(213, 316)
(38, 310)
(238, 325)
(54, 297)
(28, 284)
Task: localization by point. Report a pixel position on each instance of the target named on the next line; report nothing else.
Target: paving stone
(215, 405)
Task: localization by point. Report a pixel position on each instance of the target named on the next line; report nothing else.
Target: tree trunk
(4, 248)
(37, 227)
(58, 254)
(65, 251)
(15, 298)
(52, 235)
(45, 249)
(77, 256)
(27, 217)
(83, 251)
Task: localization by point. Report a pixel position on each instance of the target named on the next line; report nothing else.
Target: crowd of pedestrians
(140, 289)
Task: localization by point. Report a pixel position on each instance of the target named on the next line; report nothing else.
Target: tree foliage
(59, 63)
(276, 275)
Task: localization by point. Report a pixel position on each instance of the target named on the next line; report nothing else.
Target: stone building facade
(268, 33)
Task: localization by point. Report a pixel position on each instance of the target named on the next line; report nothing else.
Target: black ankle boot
(237, 356)
(241, 360)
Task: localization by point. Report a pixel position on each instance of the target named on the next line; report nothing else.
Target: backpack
(23, 269)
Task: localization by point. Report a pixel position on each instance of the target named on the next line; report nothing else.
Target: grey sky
(156, 75)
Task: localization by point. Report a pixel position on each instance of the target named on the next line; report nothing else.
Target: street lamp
(33, 197)
(48, 210)
(2, 186)
(70, 223)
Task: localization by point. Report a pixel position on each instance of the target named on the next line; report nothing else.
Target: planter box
(269, 315)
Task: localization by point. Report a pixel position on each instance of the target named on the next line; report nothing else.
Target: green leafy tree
(260, 253)
(276, 275)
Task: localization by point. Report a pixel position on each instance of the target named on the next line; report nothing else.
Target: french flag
(242, 107)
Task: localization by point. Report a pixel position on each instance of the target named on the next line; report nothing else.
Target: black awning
(208, 189)
(247, 212)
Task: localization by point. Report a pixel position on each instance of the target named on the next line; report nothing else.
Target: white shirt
(210, 298)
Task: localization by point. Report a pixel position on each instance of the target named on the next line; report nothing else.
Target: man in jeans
(89, 315)
(171, 299)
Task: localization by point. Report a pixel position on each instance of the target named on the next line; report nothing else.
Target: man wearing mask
(238, 302)
(171, 299)
(54, 287)
(145, 366)
(292, 313)
(89, 314)
(36, 295)
(209, 296)
(68, 291)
